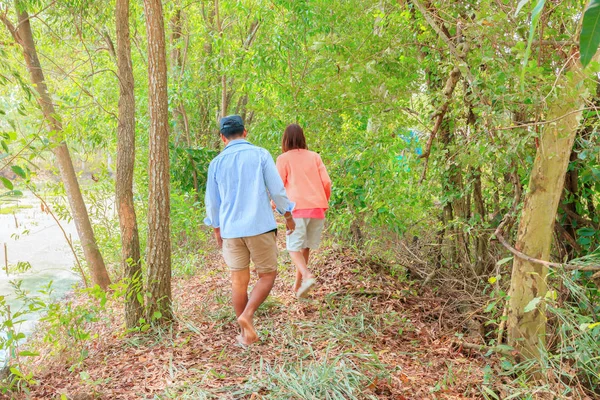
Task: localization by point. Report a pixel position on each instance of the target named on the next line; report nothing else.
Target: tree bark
(527, 329)
(481, 259)
(159, 239)
(130, 242)
(224, 97)
(24, 37)
(179, 114)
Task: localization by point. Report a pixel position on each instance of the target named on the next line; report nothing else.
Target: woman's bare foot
(249, 334)
(306, 287)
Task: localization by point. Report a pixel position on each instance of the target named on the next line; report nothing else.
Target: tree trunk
(24, 36)
(159, 239)
(527, 329)
(224, 97)
(130, 242)
(481, 258)
(179, 114)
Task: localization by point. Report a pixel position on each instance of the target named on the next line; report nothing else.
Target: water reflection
(32, 236)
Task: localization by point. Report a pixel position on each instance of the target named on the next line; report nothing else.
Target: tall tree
(130, 242)
(528, 288)
(23, 35)
(159, 240)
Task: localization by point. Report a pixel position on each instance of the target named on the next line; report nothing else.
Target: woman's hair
(293, 138)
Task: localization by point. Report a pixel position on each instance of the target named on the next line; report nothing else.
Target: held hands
(289, 223)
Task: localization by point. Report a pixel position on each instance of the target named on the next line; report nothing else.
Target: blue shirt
(241, 182)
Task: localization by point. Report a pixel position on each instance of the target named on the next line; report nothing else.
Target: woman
(308, 185)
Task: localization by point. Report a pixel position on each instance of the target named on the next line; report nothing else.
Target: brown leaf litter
(358, 315)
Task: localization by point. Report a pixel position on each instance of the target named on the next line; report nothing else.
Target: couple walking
(243, 182)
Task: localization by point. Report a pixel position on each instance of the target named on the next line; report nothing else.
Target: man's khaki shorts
(261, 249)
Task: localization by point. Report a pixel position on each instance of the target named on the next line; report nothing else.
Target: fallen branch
(429, 278)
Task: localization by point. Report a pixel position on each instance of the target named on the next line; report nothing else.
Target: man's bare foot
(249, 334)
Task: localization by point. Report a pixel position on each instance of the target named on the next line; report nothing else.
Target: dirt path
(361, 335)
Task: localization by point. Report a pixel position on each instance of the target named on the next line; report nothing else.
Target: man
(241, 182)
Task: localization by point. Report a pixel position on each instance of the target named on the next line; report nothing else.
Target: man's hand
(218, 237)
(289, 223)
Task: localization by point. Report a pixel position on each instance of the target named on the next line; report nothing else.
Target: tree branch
(439, 115)
(549, 264)
(456, 53)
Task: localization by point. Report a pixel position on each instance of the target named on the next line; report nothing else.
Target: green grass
(333, 378)
(336, 378)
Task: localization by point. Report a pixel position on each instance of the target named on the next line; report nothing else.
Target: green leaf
(490, 392)
(18, 170)
(7, 184)
(586, 232)
(535, 17)
(26, 353)
(504, 260)
(520, 6)
(490, 306)
(551, 295)
(589, 39)
(157, 315)
(532, 305)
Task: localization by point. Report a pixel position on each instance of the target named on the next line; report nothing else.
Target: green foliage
(589, 38)
(185, 162)
(10, 343)
(20, 267)
(535, 17)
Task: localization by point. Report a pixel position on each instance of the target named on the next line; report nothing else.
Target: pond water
(33, 236)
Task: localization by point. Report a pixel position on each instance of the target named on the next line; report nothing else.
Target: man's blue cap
(231, 124)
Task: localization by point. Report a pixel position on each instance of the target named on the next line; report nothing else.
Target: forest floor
(364, 333)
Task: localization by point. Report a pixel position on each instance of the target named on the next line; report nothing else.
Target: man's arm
(212, 202)
(217, 232)
(275, 186)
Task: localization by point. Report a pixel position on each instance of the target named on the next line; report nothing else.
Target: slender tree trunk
(224, 97)
(130, 242)
(179, 113)
(481, 259)
(24, 37)
(527, 328)
(176, 63)
(159, 239)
